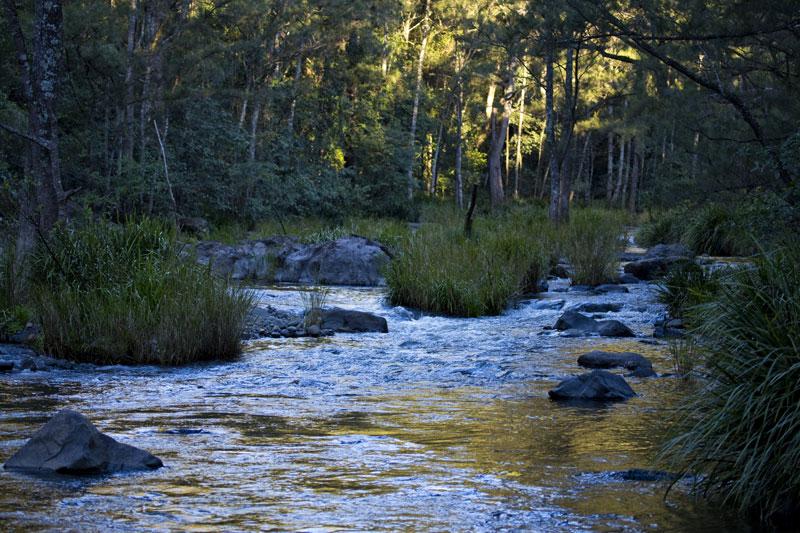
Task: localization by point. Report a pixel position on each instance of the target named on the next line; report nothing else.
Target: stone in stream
(641, 474)
(575, 322)
(610, 287)
(6, 366)
(548, 304)
(597, 385)
(69, 444)
(638, 364)
(658, 260)
(349, 321)
(599, 307)
(628, 278)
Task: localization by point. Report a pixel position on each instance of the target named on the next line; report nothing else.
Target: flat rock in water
(548, 304)
(349, 321)
(640, 474)
(69, 444)
(598, 308)
(597, 385)
(574, 321)
(628, 278)
(610, 287)
(638, 364)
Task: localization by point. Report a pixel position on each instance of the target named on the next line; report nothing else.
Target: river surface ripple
(443, 424)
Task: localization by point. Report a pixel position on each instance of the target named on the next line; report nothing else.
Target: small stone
(597, 385)
(313, 331)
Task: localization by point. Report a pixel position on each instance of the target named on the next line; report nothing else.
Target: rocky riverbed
(441, 423)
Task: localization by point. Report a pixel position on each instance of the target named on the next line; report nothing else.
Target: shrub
(663, 228)
(121, 294)
(741, 435)
(715, 230)
(592, 242)
(687, 285)
(442, 271)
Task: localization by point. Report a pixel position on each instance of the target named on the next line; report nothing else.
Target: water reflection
(443, 424)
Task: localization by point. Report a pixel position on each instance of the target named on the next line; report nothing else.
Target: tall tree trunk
(459, 141)
(635, 177)
(518, 161)
(435, 162)
(298, 72)
(582, 163)
(628, 172)
(498, 140)
(590, 178)
(620, 172)
(610, 168)
(569, 122)
(254, 118)
(555, 181)
(426, 29)
(129, 82)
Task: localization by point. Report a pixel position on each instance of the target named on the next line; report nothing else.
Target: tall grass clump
(113, 294)
(442, 271)
(592, 242)
(313, 300)
(688, 285)
(13, 315)
(665, 227)
(740, 436)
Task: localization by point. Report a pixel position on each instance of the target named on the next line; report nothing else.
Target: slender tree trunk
(435, 162)
(498, 140)
(695, 153)
(635, 177)
(426, 27)
(628, 172)
(590, 181)
(129, 90)
(254, 118)
(569, 122)
(459, 142)
(620, 172)
(610, 168)
(518, 161)
(298, 72)
(583, 159)
(555, 182)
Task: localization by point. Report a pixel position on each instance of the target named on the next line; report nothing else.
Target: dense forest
(241, 110)
(351, 251)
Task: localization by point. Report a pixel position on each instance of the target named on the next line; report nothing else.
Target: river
(442, 424)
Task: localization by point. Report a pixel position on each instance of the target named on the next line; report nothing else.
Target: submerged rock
(349, 260)
(610, 287)
(349, 321)
(638, 364)
(628, 278)
(597, 385)
(69, 444)
(575, 322)
(640, 474)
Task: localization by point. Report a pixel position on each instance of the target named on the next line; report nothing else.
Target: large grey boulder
(658, 260)
(348, 321)
(346, 261)
(69, 444)
(579, 324)
(638, 364)
(597, 385)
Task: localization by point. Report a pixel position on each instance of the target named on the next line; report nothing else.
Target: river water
(442, 424)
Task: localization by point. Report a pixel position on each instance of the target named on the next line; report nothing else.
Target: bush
(442, 271)
(592, 242)
(662, 228)
(687, 285)
(741, 435)
(121, 294)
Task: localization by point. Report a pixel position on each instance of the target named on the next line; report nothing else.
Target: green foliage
(13, 315)
(441, 271)
(592, 242)
(121, 294)
(740, 434)
(687, 285)
(665, 227)
(715, 230)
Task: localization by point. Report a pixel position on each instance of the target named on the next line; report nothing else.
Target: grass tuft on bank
(121, 294)
(592, 241)
(740, 436)
(440, 270)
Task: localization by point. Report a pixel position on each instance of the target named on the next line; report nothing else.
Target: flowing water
(442, 424)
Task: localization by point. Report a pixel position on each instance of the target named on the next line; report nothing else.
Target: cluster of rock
(345, 261)
(575, 324)
(275, 323)
(658, 260)
(600, 385)
(16, 358)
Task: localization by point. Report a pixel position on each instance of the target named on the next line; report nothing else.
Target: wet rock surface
(578, 324)
(349, 260)
(658, 260)
(639, 365)
(268, 321)
(69, 444)
(594, 386)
